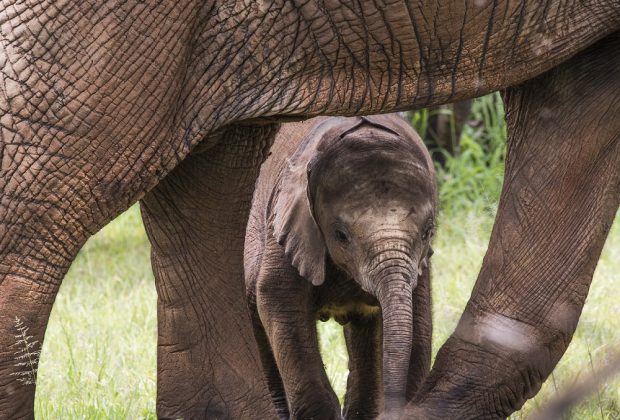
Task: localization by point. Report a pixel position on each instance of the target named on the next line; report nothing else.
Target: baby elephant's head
(370, 207)
(372, 196)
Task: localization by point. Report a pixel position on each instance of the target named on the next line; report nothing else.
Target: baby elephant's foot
(360, 414)
(326, 408)
(390, 415)
(317, 413)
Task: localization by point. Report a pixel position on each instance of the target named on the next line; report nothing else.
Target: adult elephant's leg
(208, 363)
(561, 192)
(55, 191)
(38, 242)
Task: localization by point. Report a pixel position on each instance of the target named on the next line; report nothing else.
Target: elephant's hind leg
(54, 193)
(208, 363)
(38, 243)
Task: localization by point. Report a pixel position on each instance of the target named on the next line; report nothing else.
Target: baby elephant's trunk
(394, 292)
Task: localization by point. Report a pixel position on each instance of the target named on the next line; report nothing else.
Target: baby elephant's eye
(428, 232)
(341, 236)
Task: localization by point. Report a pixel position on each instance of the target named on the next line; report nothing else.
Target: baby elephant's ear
(294, 227)
(430, 252)
(426, 259)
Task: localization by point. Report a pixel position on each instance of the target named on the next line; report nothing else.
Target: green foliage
(419, 121)
(472, 179)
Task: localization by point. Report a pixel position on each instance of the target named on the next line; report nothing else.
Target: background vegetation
(98, 360)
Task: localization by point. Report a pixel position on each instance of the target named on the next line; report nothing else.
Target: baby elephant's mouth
(343, 314)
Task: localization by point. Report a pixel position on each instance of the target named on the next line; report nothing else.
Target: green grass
(98, 360)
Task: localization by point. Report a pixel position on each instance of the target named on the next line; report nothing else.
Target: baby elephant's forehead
(372, 168)
(372, 175)
(388, 137)
(404, 185)
(389, 212)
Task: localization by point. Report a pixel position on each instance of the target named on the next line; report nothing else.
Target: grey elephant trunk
(394, 292)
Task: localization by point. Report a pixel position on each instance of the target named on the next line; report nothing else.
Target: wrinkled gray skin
(175, 103)
(340, 226)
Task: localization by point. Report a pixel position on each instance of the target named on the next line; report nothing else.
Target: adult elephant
(175, 102)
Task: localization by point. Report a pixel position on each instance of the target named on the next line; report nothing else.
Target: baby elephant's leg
(363, 336)
(270, 368)
(421, 347)
(285, 310)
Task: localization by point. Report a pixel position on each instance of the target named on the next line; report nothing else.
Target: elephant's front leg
(286, 312)
(270, 368)
(561, 192)
(364, 385)
(421, 347)
(208, 364)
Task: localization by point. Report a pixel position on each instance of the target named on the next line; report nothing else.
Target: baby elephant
(341, 223)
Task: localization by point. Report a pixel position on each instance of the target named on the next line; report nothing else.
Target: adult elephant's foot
(561, 192)
(500, 365)
(23, 316)
(317, 405)
(208, 363)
